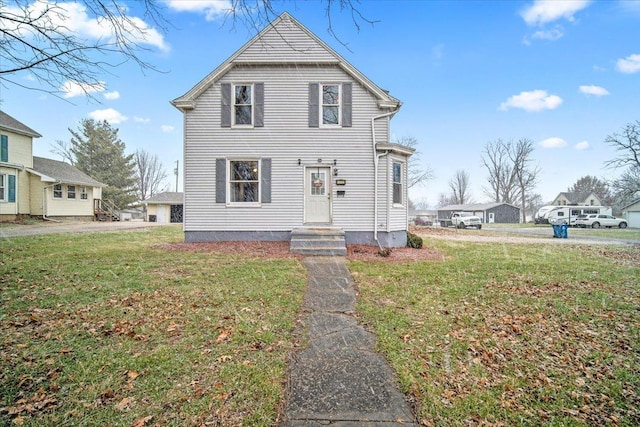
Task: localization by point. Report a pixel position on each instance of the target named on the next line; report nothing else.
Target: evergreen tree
(100, 154)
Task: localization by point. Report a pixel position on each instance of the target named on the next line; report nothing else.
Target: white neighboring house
(286, 134)
(631, 213)
(165, 208)
(38, 186)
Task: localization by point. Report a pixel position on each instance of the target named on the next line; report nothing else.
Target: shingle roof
(9, 123)
(474, 206)
(63, 172)
(168, 197)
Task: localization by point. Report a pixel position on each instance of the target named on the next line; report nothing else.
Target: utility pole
(176, 172)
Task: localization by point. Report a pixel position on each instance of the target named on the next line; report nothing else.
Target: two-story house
(37, 186)
(286, 134)
(573, 198)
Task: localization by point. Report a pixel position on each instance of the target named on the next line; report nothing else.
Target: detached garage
(488, 212)
(632, 214)
(165, 208)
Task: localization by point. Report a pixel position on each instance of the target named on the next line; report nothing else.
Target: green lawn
(507, 334)
(115, 329)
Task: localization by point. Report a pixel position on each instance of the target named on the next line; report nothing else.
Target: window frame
(71, 190)
(230, 183)
(4, 183)
(235, 105)
(395, 183)
(57, 191)
(84, 194)
(322, 105)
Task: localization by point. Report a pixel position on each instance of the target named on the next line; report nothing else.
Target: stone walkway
(339, 379)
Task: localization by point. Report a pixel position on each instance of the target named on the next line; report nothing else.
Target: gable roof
(166, 198)
(9, 123)
(309, 42)
(576, 197)
(56, 171)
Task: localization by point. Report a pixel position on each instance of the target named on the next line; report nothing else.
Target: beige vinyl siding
(35, 191)
(285, 138)
(20, 149)
(60, 207)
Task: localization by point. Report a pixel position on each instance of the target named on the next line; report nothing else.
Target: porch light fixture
(299, 162)
(319, 160)
(335, 171)
(335, 162)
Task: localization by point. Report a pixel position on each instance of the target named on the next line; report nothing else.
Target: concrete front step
(318, 241)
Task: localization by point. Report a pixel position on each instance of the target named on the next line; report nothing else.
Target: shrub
(414, 241)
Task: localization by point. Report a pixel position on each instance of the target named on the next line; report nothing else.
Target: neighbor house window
(397, 183)
(57, 191)
(244, 181)
(243, 104)
(3, 188)
(330, 104)
(71, 191)
(83, 193)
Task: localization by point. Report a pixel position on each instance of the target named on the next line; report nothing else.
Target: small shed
(488, 212)
(631, 213)
(165, 207)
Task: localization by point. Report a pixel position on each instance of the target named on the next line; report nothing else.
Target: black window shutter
(314, 105)
(221, 180)
(266, 181)
(259, 107)
(225, 106)
(346, 104)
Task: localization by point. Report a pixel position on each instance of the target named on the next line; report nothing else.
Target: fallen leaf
(140, 422)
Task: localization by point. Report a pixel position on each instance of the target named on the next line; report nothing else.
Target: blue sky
(564, 74)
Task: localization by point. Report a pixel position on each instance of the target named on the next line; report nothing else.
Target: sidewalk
(339, 379)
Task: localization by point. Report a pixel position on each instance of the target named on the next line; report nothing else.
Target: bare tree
(501, 179)
(459, 188)
(150, 174)
(627, 186)
(526, 174)
(417, 174)
(64, 150)
(38, 38)
(627, 143)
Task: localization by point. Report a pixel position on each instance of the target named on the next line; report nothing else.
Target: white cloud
(72, 89)
(535, 100)
(112, 95)
(167, 128)
(110, 115)
(141, 119)
(544, 11)
(551, 35)
(74, 18)
(581, 145)
(630, 64)
(594, 90)
(554, 142)
(211, 9)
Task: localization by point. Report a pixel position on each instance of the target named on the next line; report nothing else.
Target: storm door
(317, 195)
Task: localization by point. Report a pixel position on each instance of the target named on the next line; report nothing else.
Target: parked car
(600, 220)
(423, 220)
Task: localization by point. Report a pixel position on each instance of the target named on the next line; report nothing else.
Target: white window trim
(83, 192)
(233, 106)
(54, 192)
(75, 192)
(403, 169)
(4, 196)
(229, 203)
(321, 109)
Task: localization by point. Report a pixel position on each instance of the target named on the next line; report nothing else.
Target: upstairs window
(243, 105)
(397, 183)
(71, 191)
(57, 191)
(330, 104)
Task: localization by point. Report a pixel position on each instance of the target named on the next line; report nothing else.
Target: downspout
(376, 157)
(44, 202)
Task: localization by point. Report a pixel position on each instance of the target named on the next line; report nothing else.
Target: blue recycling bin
(560, 230)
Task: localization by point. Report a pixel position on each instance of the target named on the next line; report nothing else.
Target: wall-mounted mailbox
(341, 193)
(341, 182)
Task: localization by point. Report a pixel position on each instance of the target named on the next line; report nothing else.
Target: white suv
(600, 220)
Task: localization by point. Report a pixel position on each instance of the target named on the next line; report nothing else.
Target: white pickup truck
(462, 220)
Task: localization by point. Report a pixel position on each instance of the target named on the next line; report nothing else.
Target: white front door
(491, 218)
(317, 195)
